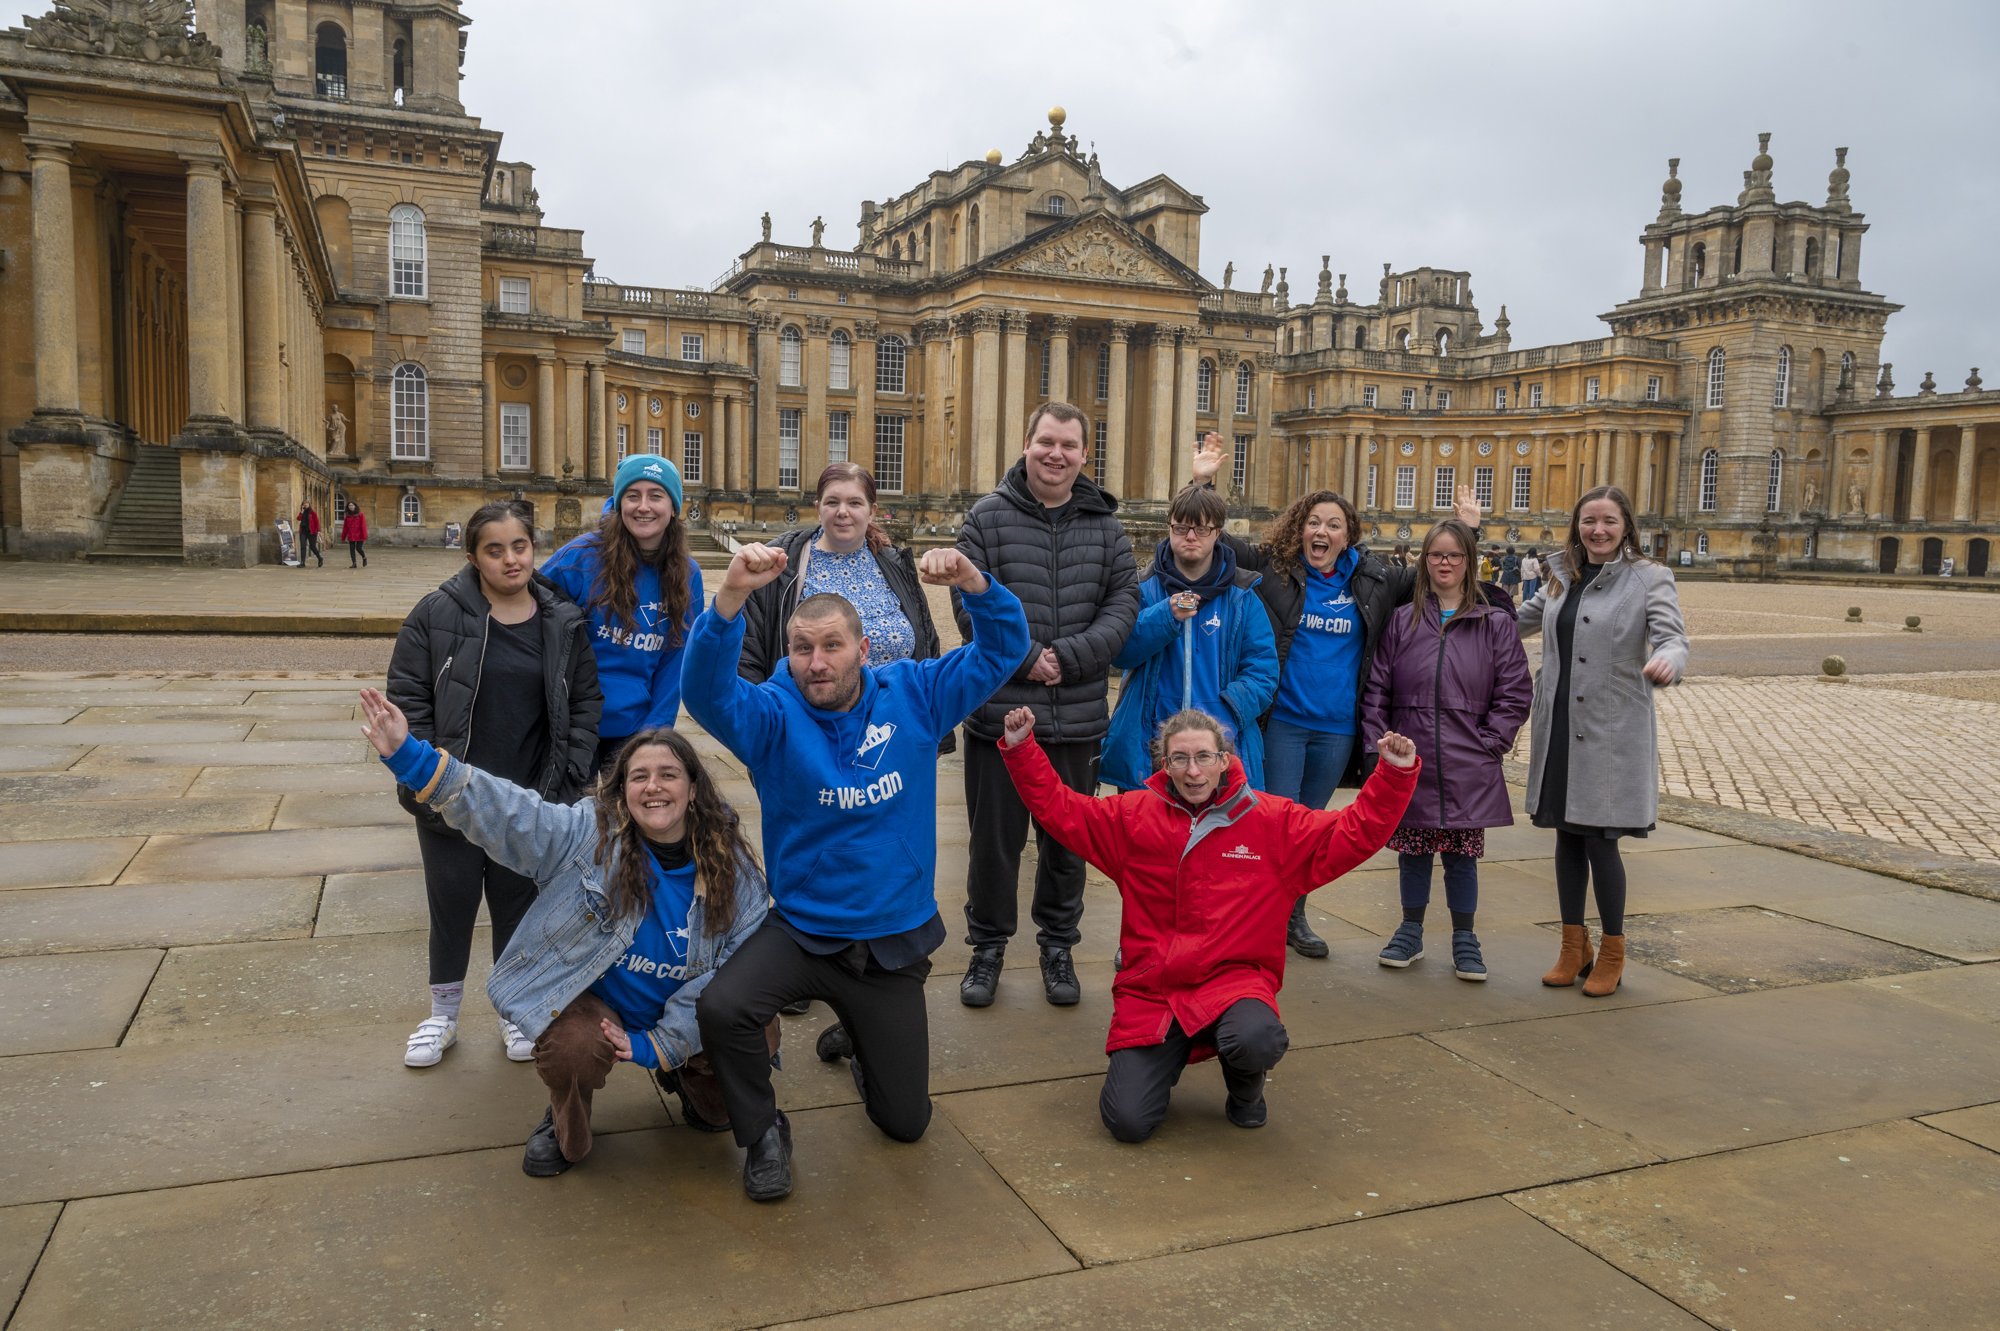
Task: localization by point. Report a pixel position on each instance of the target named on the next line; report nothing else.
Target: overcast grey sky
(1525, 142)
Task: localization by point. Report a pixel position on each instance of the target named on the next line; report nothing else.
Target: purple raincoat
(1460, 693)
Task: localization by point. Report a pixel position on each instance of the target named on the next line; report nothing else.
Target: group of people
(353, 530)
(529, 723)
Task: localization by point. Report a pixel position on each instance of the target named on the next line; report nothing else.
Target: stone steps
(145, 526)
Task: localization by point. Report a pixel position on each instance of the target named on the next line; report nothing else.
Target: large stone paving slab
(1734, 875)
(51, 694)
(1401, 1119)
(1973, 991)
(138, 732)
(377, 903)
(1980, 1125)
(87, 919)
(1372, 899)
(79, 863)
(1884, 1226)
(351, 809)
(35, 716)
(1739, 1070)
(468, 1240)
(1746, 948)
(1950, 923)
(175, 711)
(23, 1232)
(275, 753)
(136, 817)
(312, 778)
(267, 731)
(258, 854)
(114, 784)
(1479, 1263)
(40, 757)
(81, 1001)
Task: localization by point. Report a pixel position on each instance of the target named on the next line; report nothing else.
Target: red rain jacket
(354, 527)
(1207, 895)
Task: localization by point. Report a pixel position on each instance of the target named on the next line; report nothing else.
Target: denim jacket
(567, 939)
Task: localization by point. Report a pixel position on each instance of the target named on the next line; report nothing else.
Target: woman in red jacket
(1208, 869)
(354, 530)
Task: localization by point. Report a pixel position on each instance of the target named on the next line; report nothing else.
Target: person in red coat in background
(309, 535)
(1208, 869)
(354, 530)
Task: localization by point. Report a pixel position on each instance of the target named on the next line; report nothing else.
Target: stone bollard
(1854, 614)
(1913, 624)
(1833, 670)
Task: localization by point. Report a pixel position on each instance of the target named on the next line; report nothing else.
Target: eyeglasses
(1182, 530)
(1440, 557)
(1178, 762)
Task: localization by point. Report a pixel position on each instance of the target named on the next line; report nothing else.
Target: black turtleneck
(671, 855)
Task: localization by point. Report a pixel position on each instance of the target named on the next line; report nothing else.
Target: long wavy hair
(715, 835)
(877, 539)
(1574, 555)
(618, 562)
(1425, 589)
(1285, 537)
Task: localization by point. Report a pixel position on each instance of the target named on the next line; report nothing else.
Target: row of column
(590, 418)
(1644, 463)
(1883, 466)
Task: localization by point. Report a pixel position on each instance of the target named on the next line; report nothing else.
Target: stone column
(1261, 450)
(54, 259)
(1920, 477)
(715, 456)
(208, 293)
(670, 445)
(739, 473)
(861, 430)
(545, 443)
(1059, 329)
(1618, 446)
(574, 420)
(812, 434)
(1538, 458)
(1117, 446)
(1601, 474)
(596, 416)
(1159, 452)
(489, 401)
(763, 470)
(984, 446)
(938, 476)
(1014, 422)
(1222, 395)
(1642, 444)
(1180, 450)
(1968, 459)
(1881, 478)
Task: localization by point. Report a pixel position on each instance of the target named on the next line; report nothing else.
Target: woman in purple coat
(1450, 674)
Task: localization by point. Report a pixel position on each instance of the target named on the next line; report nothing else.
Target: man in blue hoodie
(845, 762)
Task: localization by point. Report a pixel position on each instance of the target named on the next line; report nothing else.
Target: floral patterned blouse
(859, 578)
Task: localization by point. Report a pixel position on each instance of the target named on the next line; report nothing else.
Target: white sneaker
(429, 1041)
(519, 1047)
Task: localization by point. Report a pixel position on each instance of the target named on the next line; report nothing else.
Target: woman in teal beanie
(635, 578)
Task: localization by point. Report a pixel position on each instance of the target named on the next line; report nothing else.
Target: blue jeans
(1528, 587)
(1304, 765)
(1461, 881)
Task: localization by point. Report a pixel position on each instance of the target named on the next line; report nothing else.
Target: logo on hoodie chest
(1241, 853)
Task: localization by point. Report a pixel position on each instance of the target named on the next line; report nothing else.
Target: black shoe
(1252, 1115)
(670, 1081)
(767, 1168)
(833, 1044)
(982, 977)
(1300, 935)
(798, 1009)
(1059, 977)
(544, 1157)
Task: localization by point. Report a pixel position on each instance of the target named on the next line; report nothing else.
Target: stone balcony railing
(540, 240)
(791, 259)
(1480, 366)
(1239, 302)
(663, 300)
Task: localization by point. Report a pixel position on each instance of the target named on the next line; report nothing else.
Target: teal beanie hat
(645, 467)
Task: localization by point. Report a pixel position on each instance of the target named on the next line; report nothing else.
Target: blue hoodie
(639, 672)
(850, 798)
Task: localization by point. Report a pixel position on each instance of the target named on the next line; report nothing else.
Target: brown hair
(1423, 590)
(1188, 718)
(499, 510)
(826, 605)
(876, 539)
(618, 562)
(1061, 411)
(715, 835)
(1285, 537)
(1574, 556)
(1199, 505)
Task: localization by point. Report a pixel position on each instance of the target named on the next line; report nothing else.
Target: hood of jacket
(1086, 497)
(1221, 574)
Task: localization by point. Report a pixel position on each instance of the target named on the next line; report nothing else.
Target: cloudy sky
(1525, 142)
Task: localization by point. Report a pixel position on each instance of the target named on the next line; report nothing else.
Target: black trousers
(309, 545)
(456, 874)
(883, 1011)
(1249, 1040)
(999, 822)
(353, 550)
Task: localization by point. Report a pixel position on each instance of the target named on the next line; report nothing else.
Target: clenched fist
(1396, 750)
(947, 567)
(754, 566)
(1020, 724)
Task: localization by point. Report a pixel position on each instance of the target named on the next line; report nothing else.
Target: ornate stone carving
(932, 330)
(985, 319)
(336, 430)
(1857, 493)
(1928, 388)
(1121, 330)
(1267, 279)
(819, 231)
(867, 330)
(159, 31)
(1014, 321)
(1060, 324)
(1097, 251)
(766, 321)
(767, 226)
(1972, 384)
(1810, 494)
(818, 325)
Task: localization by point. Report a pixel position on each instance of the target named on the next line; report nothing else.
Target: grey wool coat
(1629, 616)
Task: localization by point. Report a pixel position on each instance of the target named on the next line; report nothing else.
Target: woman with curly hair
(646, 888)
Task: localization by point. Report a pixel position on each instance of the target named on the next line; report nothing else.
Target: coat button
(1586, 619)
(588, 916)
(554, 1013)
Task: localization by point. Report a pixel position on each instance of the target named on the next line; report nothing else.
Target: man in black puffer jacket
(1052, 537)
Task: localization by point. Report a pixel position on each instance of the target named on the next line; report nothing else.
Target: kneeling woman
(645, 890)
(1208, 869)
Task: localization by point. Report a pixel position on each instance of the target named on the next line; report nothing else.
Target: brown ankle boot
(1575, 959)
(1610, 966)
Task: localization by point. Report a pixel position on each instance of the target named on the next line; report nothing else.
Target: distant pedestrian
(1531, 575)
(354, 531)
(309, 535)
(1510, 573)
(1611, 630)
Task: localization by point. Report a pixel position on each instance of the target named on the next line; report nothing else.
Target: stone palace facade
(258, 252)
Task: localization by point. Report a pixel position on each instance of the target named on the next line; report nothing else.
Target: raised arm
(965, 677)
(1086, 825)
(740, 714)
(1320, 846)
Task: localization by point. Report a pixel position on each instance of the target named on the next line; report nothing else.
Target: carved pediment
(154, 30)
(1097, 252)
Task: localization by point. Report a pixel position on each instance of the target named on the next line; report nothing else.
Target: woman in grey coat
(1612, 633)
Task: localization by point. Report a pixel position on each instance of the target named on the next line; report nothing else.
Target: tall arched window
(839, 359)
(1056, 204)
(1204, 386)
(1736, 264)
(1291, 341)
(413, 511)
(1705, 501)
(1243, 388)
(330, 61)
(1776, 481)
(1781, 395)
(1812, 257)
(791, 348)
(889, 359)
(1700, 260)
(1361, 339)
(1715, 366)
(1846, 365)
(1103, 371)
(972, 235)
(1701, 542)
(1403, 339)
(410, 412)
(407, 261)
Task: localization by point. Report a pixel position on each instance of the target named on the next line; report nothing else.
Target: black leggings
(456, 874)
(1581, 861)
(1248, 1038)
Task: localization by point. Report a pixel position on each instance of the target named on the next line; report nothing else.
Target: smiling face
(1055, 459)
(1196, 781)
(504, 554)
(826, 657)
(1601, 525)
(647, 510)
(844, 511)
(1324, 537)
(657, 791)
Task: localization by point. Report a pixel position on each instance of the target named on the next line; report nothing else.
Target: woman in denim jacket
(643, 895)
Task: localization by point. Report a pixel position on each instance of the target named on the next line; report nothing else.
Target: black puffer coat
(434, 676)
(770, 606)
(1080, 589)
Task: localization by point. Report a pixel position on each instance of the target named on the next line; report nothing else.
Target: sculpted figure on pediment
(1096, 253)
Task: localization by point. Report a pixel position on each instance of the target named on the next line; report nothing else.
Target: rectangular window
(1482, 487)
(1239, 470)
(656, 441)
(1312, 397)
(1242, 391)
(1104, 372)
(1500, 399)
(890, 359)
(691, 456)
(635, 342)
(1409, 399)
(889, 454)
(1097, 453)
(624, 441)
(836, 436)
(691, 346)
(1204, 388)
(1524, 488)
(1046, 346)
(1444, 484)
(1406, 487)
(513, 295)
(1590, 389)
(791, 352)
(1368, 395)
(839, 360)
(1534, 395)
(1652, 388)
(788, 449)
(1372, 471)
(1444, 399)
(514, 436)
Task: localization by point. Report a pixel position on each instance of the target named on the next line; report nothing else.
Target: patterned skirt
(1428, 840)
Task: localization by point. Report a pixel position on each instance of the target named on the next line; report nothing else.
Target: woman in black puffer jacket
(495, 668)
